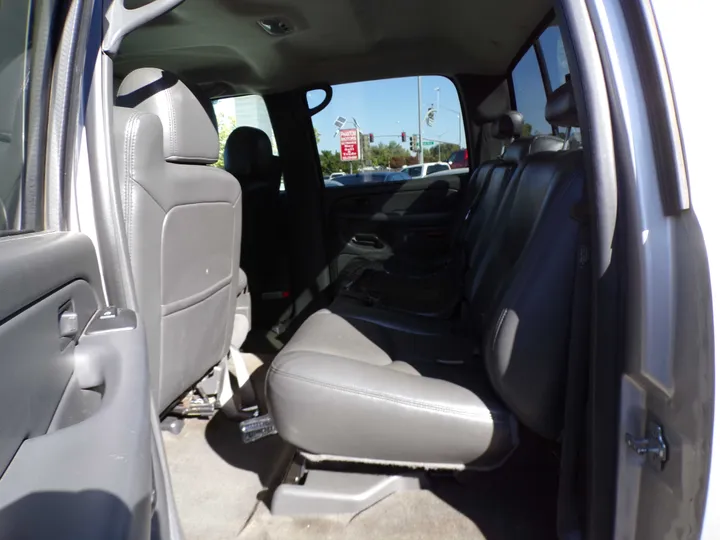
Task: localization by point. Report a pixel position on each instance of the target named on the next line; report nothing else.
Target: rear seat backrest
(480, 229)
(523, 291)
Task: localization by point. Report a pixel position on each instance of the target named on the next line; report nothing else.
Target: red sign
(349, 145)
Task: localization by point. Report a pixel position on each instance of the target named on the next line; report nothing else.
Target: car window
(359, 131)
(530, 98)
(554, 54)
(234, 112)
(14, 65)
(438, 167)
(414, 172)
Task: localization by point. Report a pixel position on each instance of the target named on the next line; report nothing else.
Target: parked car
(459, 159)
(418, 171)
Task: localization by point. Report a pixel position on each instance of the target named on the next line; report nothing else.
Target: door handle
(367, 240)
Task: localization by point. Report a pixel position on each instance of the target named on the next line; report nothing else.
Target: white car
(335, 175)
(418, 171)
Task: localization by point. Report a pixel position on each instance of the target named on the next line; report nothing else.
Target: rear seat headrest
(249, 157)
(561, 109)
(189, 133)
(520, 148)
(508, 126)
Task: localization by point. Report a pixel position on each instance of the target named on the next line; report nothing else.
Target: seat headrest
(249, 156)
(520, 148)
(189, 126)
(508, 125)
(561, 109)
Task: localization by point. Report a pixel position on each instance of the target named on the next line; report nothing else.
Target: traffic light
(372, 138)
(413, 143)
(403, 137)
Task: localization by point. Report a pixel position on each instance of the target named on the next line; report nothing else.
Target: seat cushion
(337, 395)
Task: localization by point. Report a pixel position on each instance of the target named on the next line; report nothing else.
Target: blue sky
(388, 107)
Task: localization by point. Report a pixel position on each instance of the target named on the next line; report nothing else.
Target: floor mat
(516, 501)
(416, 515)
(217, 479)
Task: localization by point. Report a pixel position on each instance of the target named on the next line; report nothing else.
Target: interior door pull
(367, 240)
(68, 324)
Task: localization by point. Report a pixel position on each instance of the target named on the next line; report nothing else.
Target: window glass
(530, 98)
(235, 112)
(414, 172)
(240, 111)
(359, 133)
(554, 53)
(14, 61)
(438, 167)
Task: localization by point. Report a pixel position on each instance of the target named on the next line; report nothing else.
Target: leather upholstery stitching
(383, 397)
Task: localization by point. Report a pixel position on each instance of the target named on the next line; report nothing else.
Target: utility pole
(459, 131)
(420, 120)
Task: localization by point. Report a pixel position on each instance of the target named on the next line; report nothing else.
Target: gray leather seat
(249, 158)
(183, 221)
(368, 386)
(439, 292)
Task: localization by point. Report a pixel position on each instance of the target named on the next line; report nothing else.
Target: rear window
(528, 83)
(457, 156)
(418, 120)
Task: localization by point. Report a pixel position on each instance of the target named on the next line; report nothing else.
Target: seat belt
(570, 511)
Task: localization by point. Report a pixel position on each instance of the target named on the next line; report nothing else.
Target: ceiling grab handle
(122, 21)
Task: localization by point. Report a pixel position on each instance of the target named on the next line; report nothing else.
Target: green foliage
(391, 155)
(330, 162)
(317, 135)
(527, 130)
(439, 152)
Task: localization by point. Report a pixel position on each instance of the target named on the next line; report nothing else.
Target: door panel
(75, 443)
(381, 221)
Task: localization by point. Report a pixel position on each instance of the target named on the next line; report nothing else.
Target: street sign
(340, 122)
(428, 143)
(349, 145)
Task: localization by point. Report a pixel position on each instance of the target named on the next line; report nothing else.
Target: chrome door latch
(653, 446)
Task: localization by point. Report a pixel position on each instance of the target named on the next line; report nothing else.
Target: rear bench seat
(351, 388)
(436, 289)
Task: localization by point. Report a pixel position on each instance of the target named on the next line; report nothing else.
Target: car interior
(401, 358)
(394, 352)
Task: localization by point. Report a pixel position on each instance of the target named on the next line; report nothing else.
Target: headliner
(219, 43)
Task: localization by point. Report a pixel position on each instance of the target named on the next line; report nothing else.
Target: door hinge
(653, 446)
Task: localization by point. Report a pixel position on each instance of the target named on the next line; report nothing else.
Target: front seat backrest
(249, 158)
(183, 222)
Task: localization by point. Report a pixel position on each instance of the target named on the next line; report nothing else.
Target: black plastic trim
(46, 22)
(312, 111)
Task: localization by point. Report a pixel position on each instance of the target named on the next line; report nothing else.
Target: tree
(225, 128)
(440, 152)
(330, 162)
(527, 129)
(317, 135)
